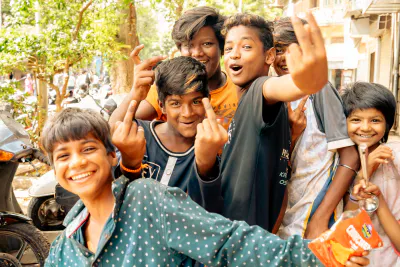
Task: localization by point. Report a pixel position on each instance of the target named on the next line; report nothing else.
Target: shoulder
(146, 187)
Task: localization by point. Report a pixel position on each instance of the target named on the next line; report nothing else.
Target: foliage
(23, 107)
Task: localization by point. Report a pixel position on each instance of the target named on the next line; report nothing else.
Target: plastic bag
(350, 236)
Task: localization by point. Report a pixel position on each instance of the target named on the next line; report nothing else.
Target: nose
(235, 53)
(77, 161)
(196, 51)
(364, 126)
(186, 111)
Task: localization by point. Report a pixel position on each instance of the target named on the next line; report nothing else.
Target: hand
(143, 75)
(358, 261)
(129, 139)
(315, 228)
(307, 61)
(362, 190)
(210, 138)
(297, 118)
(380, 155)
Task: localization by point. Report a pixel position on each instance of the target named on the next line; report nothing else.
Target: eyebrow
(85, 141)
(243, 38)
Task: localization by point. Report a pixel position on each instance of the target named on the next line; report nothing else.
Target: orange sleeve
(152, 98)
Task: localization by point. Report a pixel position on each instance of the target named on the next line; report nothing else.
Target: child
(316, 188)
(197, 34)
(169, 156)
(370, 110)
(254, 164)
(143, 223)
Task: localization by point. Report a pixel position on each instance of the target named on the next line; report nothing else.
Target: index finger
(135, 54)
(315, 32)
(302, 34)
(151, 62)
(130, 114)
(209, 110)
(302, 103)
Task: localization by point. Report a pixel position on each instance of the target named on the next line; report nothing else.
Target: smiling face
(184, 113)
(366, 126)
(244, 55)
(280, 61)
(204, 47)
(83, 167)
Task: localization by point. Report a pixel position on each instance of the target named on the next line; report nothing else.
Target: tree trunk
(42, 103)
(121, 73)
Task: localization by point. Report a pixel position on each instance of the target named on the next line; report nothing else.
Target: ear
(270, 56)
(162, 107)
(114, 158)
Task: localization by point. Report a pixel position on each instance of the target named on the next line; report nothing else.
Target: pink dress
(387, 177)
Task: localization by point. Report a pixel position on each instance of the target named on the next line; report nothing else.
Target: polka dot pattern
(155, 225)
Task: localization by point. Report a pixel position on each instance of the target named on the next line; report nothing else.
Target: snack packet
(350, 236)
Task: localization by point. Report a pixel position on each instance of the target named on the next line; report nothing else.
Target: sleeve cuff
(334, 145)
(207, 182)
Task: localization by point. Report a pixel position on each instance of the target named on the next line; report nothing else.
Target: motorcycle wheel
(46, 213)
(7, 260)
(24, 239)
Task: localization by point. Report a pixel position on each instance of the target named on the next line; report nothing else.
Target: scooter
(18, 237)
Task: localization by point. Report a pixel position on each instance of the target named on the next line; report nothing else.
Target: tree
(71, 33)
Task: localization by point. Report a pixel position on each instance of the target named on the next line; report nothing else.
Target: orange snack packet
(350, 236)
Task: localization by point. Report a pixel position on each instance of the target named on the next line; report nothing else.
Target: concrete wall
(386, 52)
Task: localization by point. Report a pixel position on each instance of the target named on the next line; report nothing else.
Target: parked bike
(19, 239)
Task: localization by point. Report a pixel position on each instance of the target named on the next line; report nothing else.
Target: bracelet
(133, 171)
(348, 167)
(353, 199)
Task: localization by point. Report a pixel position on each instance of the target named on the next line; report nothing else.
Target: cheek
(185, 52)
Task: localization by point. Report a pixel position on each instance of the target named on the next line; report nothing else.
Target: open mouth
(236, 69)
(203, 61)
(188, 123)
(284, 68)
(81, 176)
(365, 135)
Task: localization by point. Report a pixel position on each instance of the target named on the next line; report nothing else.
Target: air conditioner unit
(381, 25)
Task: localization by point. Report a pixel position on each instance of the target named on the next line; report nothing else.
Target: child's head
(181, 84)
(284, 35)
(370, 110)
(248, 51)
(197, 34)
(79, 147)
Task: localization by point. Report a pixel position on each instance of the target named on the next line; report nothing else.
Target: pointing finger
(302, 103)
(135, 54)
(302, 35)
(315, 32)
(209, 110)
(289, 107)
(130, 113)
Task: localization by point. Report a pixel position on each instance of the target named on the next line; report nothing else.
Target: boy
(254, 164)
(143, 223)
(315, 190)
(169, 156)
(197, 34)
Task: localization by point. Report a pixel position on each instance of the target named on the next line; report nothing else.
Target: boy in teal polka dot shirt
(143, 223)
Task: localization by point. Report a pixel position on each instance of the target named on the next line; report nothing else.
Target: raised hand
(210, 138)
(143, 73)
(129, 138)
(297, 118)
(307, 60)
(381, 155)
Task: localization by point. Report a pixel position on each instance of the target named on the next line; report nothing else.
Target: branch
(78, 26)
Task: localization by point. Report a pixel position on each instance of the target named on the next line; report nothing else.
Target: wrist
(131, 163)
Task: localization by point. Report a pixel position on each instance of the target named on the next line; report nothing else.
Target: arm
(389, 222)
(307, 64)
(339, 186)
(143, 79)
(297, 120)
(216, 241)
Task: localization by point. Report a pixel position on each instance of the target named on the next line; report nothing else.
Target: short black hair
(363, 95)
(284, 32)
(263, 27)
(180, 76)
(189, 24)
(73, 124)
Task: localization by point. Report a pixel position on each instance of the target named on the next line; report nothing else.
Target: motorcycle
(19, 239)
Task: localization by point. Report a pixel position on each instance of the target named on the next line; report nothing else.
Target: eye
(279, 51)
(247, 47)
(89, 149)
(174, 104)
(376, 120)
(208, 44)
(355, 120)
(197, 101)
(62, 156)
(227, 49)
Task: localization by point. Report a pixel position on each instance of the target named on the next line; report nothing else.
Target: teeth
(203, 61)
(365, 136)
(81, 176)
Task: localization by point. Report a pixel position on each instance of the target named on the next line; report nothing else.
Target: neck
(100, 206)
(217, 80)
(172, 139)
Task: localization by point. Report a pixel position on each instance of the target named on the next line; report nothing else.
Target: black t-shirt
(254, 163)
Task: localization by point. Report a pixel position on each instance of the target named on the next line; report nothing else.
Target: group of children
(271, 152)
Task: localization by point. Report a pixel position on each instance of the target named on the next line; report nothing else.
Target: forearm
(389, 222)
(340, 184)
(283, 89)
